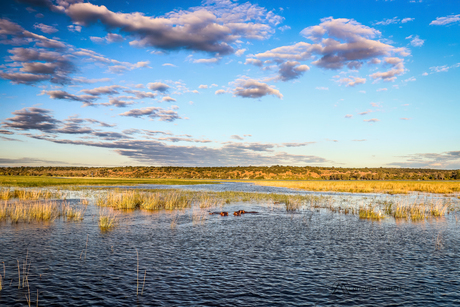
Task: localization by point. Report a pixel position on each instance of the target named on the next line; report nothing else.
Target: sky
(230, 83)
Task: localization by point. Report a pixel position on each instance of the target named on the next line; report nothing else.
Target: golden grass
(38, 211)
(7, 194)
(388, 187)
(371, 213)
(107, 220)
(180, 199)
(417, 211)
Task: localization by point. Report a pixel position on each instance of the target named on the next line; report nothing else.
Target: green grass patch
(26, 181)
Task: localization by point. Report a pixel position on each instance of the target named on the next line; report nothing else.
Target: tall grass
(107, 220)
(388, 187)
(416, 210)
(31, 181)
(38, 211)
(180, 199)
(7, 194)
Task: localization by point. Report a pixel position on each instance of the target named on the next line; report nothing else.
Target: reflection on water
(307, 257)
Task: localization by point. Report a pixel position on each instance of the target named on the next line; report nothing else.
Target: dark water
(275, 258)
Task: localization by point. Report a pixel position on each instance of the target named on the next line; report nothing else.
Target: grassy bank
(29, 181)
(387, 187)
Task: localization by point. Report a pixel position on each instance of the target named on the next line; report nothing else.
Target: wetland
(150, 244)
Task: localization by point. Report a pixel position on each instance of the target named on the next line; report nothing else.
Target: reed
(38, 211)
(107, 220)
(26, 194)
(370, 212)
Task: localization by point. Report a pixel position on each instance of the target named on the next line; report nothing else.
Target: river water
(313, 257)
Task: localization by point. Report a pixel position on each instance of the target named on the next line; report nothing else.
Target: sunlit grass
(24, 194)
(28, 211)
(387, 187)
(107, 220)
(26, 181)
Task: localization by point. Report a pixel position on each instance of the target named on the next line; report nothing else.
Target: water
(275, 258)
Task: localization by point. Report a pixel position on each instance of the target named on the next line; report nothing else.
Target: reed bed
(417, 210)
(107, 220)
(180, 199)
(387, 187)
(38, 211)
(7, 194)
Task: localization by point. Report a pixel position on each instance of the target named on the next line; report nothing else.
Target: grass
(107, 220)
(181, 199)
(38, 211)
(6, 194)
(387, 187)
(30, 181)
(371, 213)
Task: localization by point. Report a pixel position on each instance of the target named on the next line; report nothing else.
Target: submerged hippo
(223, 213)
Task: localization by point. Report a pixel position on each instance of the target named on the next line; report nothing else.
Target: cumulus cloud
(103, 90)
(322, 88)
(202, 86)
(109, 38)
(236, 137)
(255, 62)
(352, 81)
(250, 88)
(74, 28)
(416, 41)
(45, 28)
(220, 92)
(206, 61)
(291, 70)
(442, 21)
(168, 99)
(141, 94)
(158, 86)
(117, 102)
(31, 119)
(18, 36)
(382, 89)
(210, 28)
(60, 94)
(348, 116)
(388, 21)
(405, 20)
(396, 70)
(372, 120)
(337, 43)
(153, 113)
(39, 65)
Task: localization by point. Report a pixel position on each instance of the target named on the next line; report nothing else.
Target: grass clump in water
(107, 220)
(371, 213)
(7, 194)
(38, 211)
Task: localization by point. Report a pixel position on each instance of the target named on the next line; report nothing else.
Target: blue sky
(227, 83)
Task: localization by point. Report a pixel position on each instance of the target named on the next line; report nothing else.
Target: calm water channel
(313, 257)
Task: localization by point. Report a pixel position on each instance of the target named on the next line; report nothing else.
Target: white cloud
(250, 88)
(442, 21)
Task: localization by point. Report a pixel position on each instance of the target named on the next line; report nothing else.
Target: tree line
(240, 172)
